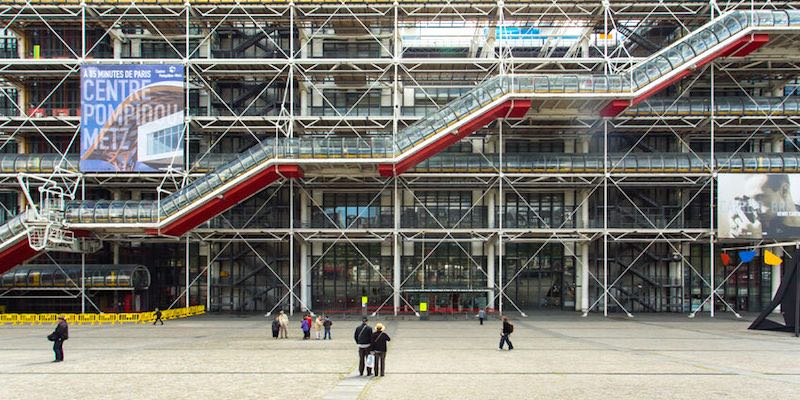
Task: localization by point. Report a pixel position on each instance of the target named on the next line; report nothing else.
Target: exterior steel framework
(258, 69)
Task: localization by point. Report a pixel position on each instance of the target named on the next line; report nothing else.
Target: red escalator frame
(740, 48)
(16, 254)
(509, 109)
(235, 195)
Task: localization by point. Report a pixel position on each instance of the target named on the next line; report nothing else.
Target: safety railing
(556, 163)
(132, 212)
(15, 319)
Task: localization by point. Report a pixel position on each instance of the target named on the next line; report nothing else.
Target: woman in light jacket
(318, 326)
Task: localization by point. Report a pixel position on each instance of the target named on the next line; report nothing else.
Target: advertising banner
(754, 206)
(132, 117)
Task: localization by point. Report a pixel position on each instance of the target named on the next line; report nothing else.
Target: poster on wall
(132, 117)
(756, 206)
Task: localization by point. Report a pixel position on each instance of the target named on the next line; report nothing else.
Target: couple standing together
(371, 344)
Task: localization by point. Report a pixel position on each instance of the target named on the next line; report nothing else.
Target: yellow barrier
(128, 318)
(28, 319)
(71, 318)
(8, 319)
(87, 319)
(146, 317)
(100, 319)
(107, 319)
(168, 314)
(51, 318)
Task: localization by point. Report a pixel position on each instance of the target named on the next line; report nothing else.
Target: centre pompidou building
(258, 155)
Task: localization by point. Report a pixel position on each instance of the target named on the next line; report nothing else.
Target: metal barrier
(71, 318)
(99, 319)
(128, 318)
(50, 318)
(8, 319)
(87, 319)
(27, 319)
(146, 317)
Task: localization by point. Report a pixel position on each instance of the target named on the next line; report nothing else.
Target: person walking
(379, 339)
(482, 315)
(283, 319)
(508, 329)
(158, 317)
(363, 338)
(306, 329)
(318, 327)
(276, 326)
(59, 335)
(327, 325)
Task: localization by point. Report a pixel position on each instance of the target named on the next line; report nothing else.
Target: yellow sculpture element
(771, 259)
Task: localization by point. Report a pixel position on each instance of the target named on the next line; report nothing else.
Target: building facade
(580, 202)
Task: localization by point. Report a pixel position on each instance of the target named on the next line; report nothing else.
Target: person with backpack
(158, 317)
(276, 326)
(306, 329)
(327, 325)
(363, 338)
(59, 335)
(508, 329)
(379, 339)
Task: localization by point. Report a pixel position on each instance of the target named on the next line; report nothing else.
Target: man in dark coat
(327, 325)
(363, 338)
(276, 327)
(508, 328)
(379, 339)
(59, 335)
(158, 317)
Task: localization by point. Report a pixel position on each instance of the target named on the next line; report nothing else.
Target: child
(306, 329)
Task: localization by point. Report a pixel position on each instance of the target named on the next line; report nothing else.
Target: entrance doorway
(445, 301)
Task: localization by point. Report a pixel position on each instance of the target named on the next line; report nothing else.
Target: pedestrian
(363, 338)
(306, 329)
(379, 339)
(59, 335)
(508, 329)
(481, 315)
(284, 321)
(318, 327)
(276, 326)
(327, 325)
(158, 317)
(308, 319)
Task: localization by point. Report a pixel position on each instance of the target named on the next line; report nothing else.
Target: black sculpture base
(788, 298)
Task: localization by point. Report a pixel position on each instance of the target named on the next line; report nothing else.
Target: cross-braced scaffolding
(583, 203)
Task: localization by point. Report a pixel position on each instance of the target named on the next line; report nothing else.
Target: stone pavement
(556, 356)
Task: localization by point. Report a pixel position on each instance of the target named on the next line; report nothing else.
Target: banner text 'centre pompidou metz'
(132, 117)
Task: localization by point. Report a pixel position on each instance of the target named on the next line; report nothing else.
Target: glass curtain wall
(342, 276)
(538, 276)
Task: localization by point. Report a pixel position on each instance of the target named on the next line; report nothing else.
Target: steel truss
(303, 77)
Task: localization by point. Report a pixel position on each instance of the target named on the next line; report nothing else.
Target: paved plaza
(556, 356)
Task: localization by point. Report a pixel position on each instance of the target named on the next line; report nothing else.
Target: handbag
(51, 337)
(370, 360)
